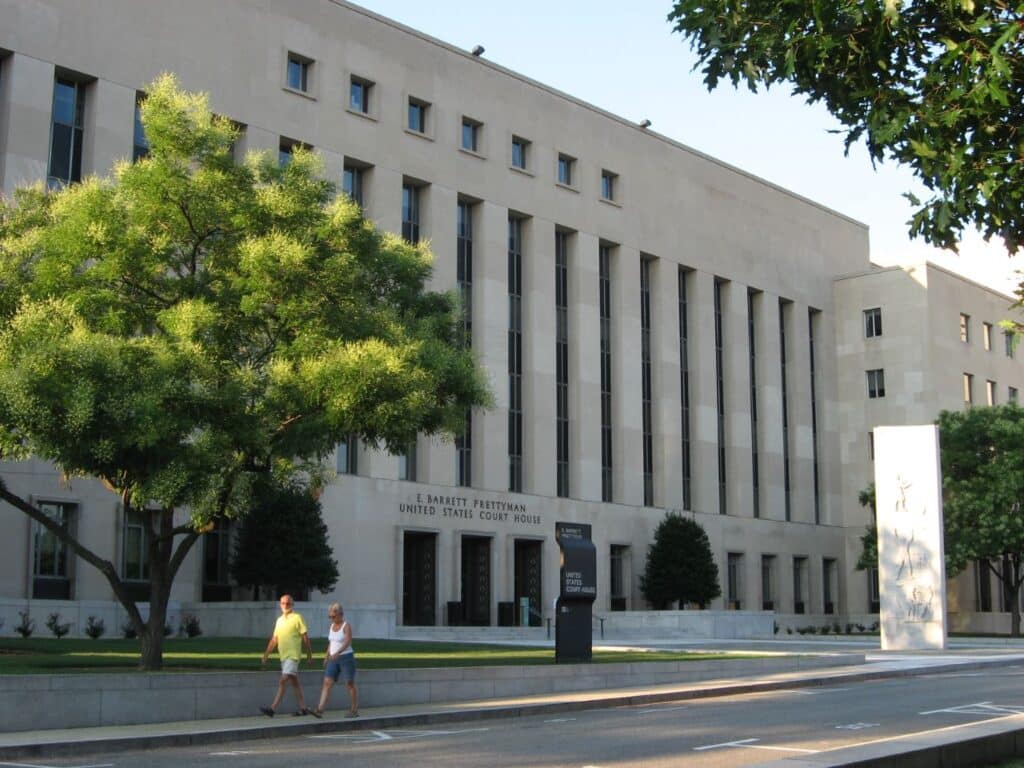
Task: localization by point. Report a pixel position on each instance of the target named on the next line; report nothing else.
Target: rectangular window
(876, 383)
(411, 212)
(619, 562)
(874, 595)
(298, 75)
(136, 534)
(470, 135)
(66, 132)
(464, 286)
(605, 309)
(723, 507)
(646, 386)
(359, 93)
(799, 585)
(285, 147)
(140, 144)
(768, 582)
(752, 365)
(347, 457)
(417, 115)
(786, 488)
(983, 582)
(872, 322)
(1009, 342)
(871, 446)
(1011, 394)
(352, 183)
(519, 153)
(829, 586)
(51, 563)
(216, 563)
(566, 170)
(986, 336)
(515, 354)
(990, 392)
(562, 362)
(965, 328)
(734, 581)
(968, 388)
(407, 465)
(813, 316)
(608, 185)
(684, 387)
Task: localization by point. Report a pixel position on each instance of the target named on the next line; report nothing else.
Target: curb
(482, 711)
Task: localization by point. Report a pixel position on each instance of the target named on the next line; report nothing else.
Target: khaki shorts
(289, 666)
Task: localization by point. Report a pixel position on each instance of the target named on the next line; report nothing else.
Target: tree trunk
(1014, 595)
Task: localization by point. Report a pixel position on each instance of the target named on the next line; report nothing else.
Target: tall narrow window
(417, 115)
(813, 316)
(464, 281)
(734, 580)
(140, 144)
(768, 579)
(470, 134)
(519, 152)
(990, 392)
(566, 170)
(359, 95)
(720, 398)
(605, 290)
(67, 132)
(684, 388)
(754, 436)
(1008, 341)
(646, 398)
(347, 456)
(799, 585)
(352, 183)
(786, 487)
(562, 362)
(829, 584)
(876, 383)
(515, 354)
(619, 565)
(965, 328)
(1011, 394)
(216, 563)
(51, 572)
(608, 185)
(407, 465)
(135, 536)
(297, 76)
(968, 388)
(986, 336)
(411, 213)
(872, 322)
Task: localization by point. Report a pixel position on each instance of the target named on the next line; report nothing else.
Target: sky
(623, 57)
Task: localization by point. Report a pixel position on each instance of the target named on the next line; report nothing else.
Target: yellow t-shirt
(289, 631)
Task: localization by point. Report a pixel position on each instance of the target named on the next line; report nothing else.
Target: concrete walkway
(962, 654)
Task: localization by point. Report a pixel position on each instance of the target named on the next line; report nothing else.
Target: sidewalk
(79, 741)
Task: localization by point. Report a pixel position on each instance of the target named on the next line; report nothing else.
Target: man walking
(290, 638)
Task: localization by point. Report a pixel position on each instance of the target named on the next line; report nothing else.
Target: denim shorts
(343, 666)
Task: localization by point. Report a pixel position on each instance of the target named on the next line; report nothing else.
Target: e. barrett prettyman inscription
(466, 508)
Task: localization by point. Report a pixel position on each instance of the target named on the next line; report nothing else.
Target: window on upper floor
(285, 148)
(360, 92)
(872, 322)
(965, 328)
(470, 134)
(417, 119)
(986, 336)
(1010, 343)
(1011, 394)
(353, 181)
(566, 170)
(968, 388)
(520, 153)
(609, 185)
(66, 131)
(990, 392)
(51, 560)
(299, 74)
(876, 383)
(140, 144)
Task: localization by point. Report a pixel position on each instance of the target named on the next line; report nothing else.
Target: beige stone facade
(755, 273)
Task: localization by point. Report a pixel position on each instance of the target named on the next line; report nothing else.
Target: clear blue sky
(623, 57)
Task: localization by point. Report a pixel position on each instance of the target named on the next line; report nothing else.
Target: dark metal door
(476, 580)
(419, 580)
(528, 578)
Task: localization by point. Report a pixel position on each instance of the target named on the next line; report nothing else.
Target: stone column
(769, 406)
(736, 361)
(627, 424)
(109, 126)
(667, 399)
(25, 113)
(703, 396)
(539, 411)
(584, 369)
(801, 454)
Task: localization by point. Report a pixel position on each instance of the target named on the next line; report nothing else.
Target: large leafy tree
(282, 544)
(191, 325)
(680, 566)
(936, 85)
(983, 490)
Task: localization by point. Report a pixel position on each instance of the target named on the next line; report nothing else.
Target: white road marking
(930, 731)
(647, 710)
(561, 720)
(749, 744)
(234, 753)
(857, 726)
(39, 765)
(378, 736)
(978, 708)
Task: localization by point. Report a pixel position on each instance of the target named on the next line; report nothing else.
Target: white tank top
(336, 639)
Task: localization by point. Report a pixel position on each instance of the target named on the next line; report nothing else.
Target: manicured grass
(42, 655)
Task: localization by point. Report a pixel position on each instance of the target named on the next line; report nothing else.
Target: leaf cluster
(936, 85)
(680, 566)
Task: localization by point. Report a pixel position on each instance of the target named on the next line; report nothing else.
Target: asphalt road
(720, 732)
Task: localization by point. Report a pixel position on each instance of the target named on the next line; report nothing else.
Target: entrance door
(419, 581)
(528, 577)
(476, 580)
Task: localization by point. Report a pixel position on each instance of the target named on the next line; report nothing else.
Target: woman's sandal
(317, 713)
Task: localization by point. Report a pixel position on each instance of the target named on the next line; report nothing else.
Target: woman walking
(340, 661)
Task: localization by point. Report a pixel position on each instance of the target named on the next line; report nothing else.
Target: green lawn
(41, 655)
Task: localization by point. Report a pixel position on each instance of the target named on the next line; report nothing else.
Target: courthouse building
(661, 331)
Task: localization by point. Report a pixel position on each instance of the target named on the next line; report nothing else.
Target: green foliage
(283, 544)
(54, 624)
(191, 325)
(680, 565)
(26, 626)
(95, 628)
(936, 85)
(190, 626)
(869, 539)
(983, 488)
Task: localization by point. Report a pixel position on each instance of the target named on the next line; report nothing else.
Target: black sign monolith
(578, 590)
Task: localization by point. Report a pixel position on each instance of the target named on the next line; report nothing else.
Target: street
(730, 731)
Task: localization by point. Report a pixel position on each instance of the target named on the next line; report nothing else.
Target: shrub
(190, 626)
(95, 628)
(167, 630)
(836, 629)
(128, 630)
(861, 628)
(680, 566)
(58, 629)
(27, 625)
